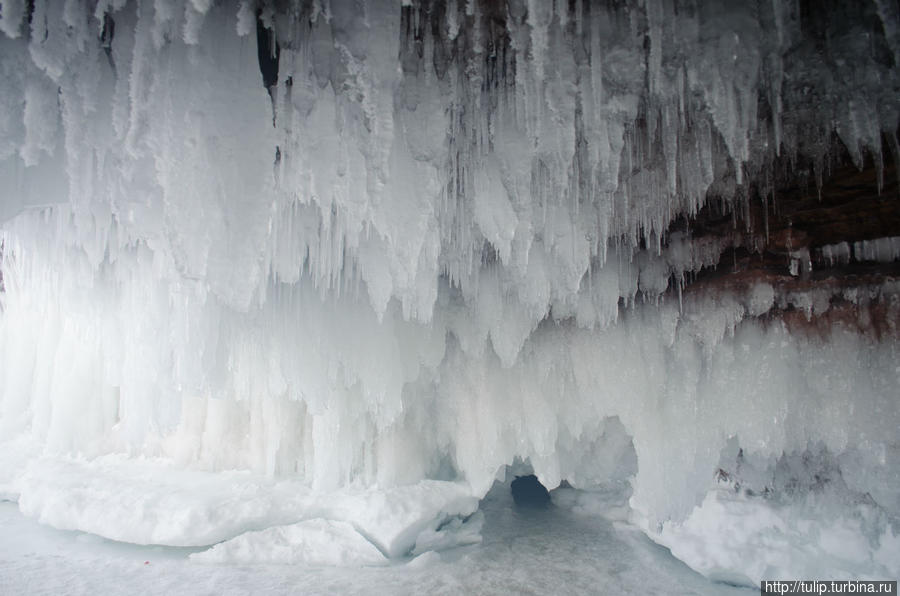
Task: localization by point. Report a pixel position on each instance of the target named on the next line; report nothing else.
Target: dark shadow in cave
(527, 491)
(268, 51)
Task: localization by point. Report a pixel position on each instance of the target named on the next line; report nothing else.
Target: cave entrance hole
(528, 492)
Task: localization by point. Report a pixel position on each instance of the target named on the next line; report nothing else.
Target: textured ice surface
(435, 245)
(312, 542)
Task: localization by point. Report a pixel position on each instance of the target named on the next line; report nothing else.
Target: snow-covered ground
(567, 548)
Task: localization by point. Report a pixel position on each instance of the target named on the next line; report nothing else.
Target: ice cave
(294, 290)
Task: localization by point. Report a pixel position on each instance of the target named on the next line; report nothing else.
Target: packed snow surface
(432, 244)
(567, 547)
(152, 502)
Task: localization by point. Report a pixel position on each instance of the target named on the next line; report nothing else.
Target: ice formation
(316, 541)
(385, 244)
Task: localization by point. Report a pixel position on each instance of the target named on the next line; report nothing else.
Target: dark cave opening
(527, 491)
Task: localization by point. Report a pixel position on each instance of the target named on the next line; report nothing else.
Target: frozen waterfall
(324, 271)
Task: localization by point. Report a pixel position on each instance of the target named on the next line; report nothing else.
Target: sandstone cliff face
(834, 242)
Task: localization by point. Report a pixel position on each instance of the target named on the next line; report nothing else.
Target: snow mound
(798, 518)
(739, 539)
(155, 502)
(311, 542)
(152, 502)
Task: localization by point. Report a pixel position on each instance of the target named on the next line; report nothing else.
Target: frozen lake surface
(561, 549)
